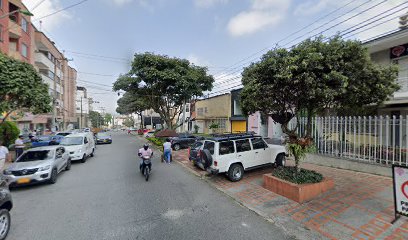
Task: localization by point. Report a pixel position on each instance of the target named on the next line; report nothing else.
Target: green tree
(8, 133)
(166, 82)
(130, 103)
(22, 88)
(310, 78)
(108, 118)
(97, 120)
(129, 122)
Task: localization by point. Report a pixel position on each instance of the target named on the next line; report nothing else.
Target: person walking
(167, 150)
(19, 146)
(4, 155)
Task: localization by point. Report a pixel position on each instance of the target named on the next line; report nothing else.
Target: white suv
(232, 154)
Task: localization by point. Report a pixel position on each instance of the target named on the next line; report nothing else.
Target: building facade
(16, 31)
(213, 111)
(393, 49)
(82, 107)
(238, 121)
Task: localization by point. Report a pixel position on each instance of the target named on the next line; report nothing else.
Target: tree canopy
(164, 83)
(96, 118)
(22, 88)
(312, 77)
(108, 118)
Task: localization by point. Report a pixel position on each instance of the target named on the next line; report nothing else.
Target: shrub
(156, 141)
(8, 133)
(300, 176)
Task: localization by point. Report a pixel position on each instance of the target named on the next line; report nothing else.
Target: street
(108, 198)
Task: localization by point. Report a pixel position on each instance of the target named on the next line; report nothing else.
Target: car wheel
(235, 172)
(206, 158)
(280, 160)
(5, 221)
(176, 147)
(68, 167)
(83, 160)
(54, 175)
(93, 152)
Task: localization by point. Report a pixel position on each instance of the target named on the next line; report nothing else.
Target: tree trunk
(309, 124)
(5, 117)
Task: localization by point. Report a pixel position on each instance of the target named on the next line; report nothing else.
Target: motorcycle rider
(145, 151)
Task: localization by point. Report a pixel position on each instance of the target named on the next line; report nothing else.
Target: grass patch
(303, 176)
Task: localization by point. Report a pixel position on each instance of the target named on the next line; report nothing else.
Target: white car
(79, 145)
(38, 165)
(233, 154)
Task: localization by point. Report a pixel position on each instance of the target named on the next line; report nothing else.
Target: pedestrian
(19, 146)
(167, 150)
(4, 155)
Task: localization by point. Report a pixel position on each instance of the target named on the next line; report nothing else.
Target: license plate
(23, 180)
(105, 140)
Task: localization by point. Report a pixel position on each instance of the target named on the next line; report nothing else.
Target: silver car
(38, 165)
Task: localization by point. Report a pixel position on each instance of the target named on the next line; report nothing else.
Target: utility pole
(54, 97)
(80, 123)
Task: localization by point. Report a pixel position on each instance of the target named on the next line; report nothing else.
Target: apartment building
(16, 31)
(82, 107)
(213, 111)
(393, 49)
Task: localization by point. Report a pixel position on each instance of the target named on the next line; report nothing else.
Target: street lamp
(27, 13)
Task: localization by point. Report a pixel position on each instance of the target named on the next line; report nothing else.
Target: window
(24, 25)
(24, 50)
(258, 143)
(187, 108)
(205, 110)
(1, 31)
(227, 147)
(243, 145)
(200, 112)
(237, 108)
(209, 146)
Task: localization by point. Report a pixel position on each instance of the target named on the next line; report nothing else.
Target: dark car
(184, 140)
(103, 137)
(6, 204)
(193, 153)
(46, 140)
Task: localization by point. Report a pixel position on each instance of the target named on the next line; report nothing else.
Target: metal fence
(378, 140)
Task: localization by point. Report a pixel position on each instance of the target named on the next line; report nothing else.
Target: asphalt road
(108, 198)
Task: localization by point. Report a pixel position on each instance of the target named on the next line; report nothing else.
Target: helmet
(146, 146)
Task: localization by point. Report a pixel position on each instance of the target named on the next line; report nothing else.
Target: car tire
(5, 222)
(54, 176)
(176, 147)
(83, 160)
(235, 172)
(93, 152)
(68, 167)
(206, 158)
(280, 160)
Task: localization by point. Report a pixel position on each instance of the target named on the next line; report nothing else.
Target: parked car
(38, 165)
(63, 134)
(80, 146)
(46, 140)
(184, 140)
(86, 130)
(233, 154)
(6, 204)
(102, 137)
(149, 134)
(194, 151)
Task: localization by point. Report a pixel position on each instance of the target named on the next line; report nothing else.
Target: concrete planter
(297, 192)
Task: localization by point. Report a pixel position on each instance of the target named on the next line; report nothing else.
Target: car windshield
(44, 138)
(68, 141)
(35, 156)
(197, 145)
(102, 135)
(63, 134)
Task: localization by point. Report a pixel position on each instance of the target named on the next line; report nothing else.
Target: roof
(53, 147)
(387, 41)
(78, 134)
(226, 137)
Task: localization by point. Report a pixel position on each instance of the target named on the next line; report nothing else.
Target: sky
(101, 36)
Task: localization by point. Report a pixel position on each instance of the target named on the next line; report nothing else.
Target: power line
(60, 10)
(37, 5)
(99, 56)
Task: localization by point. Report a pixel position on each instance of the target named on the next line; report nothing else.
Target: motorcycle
(146, 167)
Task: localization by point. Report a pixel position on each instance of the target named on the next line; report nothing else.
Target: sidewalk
(359, 207)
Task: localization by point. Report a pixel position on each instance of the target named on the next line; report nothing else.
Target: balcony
(14, 29)
(48, 81)
(14, 54)
(43, 61)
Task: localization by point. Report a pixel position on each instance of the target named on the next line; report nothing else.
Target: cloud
(121, 2)
(208, 3)
(45, 8)
(312, 7)
(262, 14)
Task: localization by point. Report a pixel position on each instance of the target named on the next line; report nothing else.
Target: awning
(40, 119)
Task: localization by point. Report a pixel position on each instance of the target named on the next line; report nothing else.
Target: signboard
(399, 51)
(400, 182)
